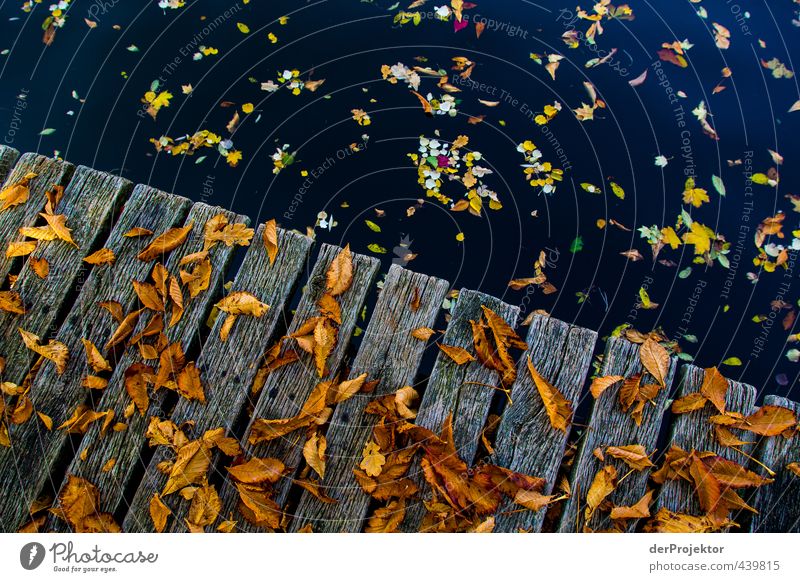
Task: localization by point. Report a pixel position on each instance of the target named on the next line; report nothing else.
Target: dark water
(346, 42)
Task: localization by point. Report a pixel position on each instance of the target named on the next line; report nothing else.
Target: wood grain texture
(287, 388)
(90, 203)
(693, 431)
(526, 442)
(778, 503)
(449, 391)
(49, 171)
(608, 425)
(391, 355)
(227, 368)
(126, 447)
(8, 156)
(25, 468)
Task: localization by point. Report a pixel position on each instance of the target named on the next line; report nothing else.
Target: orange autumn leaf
(339, 276)
(603, 484)
(20, 249)
(94, 358)
(639, 510)
(558, 408)
(689, 403)
(138, 231)
(101, 257)
(601, 384)
(16, 193)
(769, 420)
(422, 333)
(714, 387)
(11, 302)
(458, 354)
(58, 222)
(55, 351)
(159, 513)
(148, 296)
(635, 456)
(655, 359)
(270, 237)
(165, 242)
(314, 453)
(39, 266)
(257, 471)
(190, 467)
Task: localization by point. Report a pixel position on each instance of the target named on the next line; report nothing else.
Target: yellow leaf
(373, 460)
(558, 408)
(54, 351)
(314, 453)
(165, 243)
(101, 257)
(270, 236)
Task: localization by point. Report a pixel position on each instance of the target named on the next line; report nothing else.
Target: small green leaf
(719, 186)
(47, 131)
(732, 361)
(372, 226)
(577, 245)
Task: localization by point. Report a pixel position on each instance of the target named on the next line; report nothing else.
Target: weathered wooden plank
(390, 355)
(609, 426)
(289, 387)
(26, 467)
(127, 446)
(778, 503)
(49, 171)
(227, 368)
(90, 203)
(8, 156)
(693, 431)
(526, 442)
(463, 390)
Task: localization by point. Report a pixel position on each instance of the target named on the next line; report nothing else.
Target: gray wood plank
(286, 389)
(227, 369)
(25, 468)
(389, 354)
(693, 431)
(608, 425)
(126, 446)
(49, 171)
(449, 391)
(8, 156)
(778, 503)
(90, 203)
(526, 442)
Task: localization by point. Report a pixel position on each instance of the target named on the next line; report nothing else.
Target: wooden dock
(152, 388)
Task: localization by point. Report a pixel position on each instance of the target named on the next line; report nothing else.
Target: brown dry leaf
(373, 461)
(340, 273)
(769, 420)
(137, 377)
(600, 385)
(39, 266)
(83, 417)
(170, 363)
(422, 333)
(54, 351)
(79, 506)
(256, 471)
(314, 453)
(189, 384)
(344, 390)
(706, 485)
(794, 468)
(138, 231)
(532, 500)
(714, 387)
(148, 296)
(199, 278)
(11, 302)
(330, 308)
(558, 408)
(20, 249)
(639, 510)
(58, 222)
(159, 513)
(114, 308)
(101, 257)
(94, 358)
(165, 242)
(387, 519)
(666, 521)
(46, 420)
(727, 439)
(124, 329)
(270, 237)
(635, 456)
(94, 383)
(219, 230)
(16, 193)
(458, 354)
(325, 336)
(176, 296)
(689, 403)
(190, 466)
(242, 303)
(204, 509)
(604, 483)
(655, 359)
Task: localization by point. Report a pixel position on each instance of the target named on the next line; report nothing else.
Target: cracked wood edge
(286, 389)
(8, 156)
(391, 355)
(227, 369)
(127, 446)
(26, 467)
(447, 392)
(608, 425)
